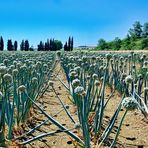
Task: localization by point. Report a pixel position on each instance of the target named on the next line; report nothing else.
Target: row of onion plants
(89, 74)
(23, 75)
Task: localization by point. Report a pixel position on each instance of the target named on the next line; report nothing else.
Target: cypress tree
(65, 47)
(69, 43)
(9, 45)
(47, 45)
(22, 45)
(71, 46)
(15, 45)
(26, 45)
(1, 44)
(41, 46)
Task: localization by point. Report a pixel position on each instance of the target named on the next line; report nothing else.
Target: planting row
(89, 75)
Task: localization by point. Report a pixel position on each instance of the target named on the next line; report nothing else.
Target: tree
(58, 45)
(65, 47)
(109, 45)
(9, 45)
(26, 45)
(71, 44)
(132, 46)
(50, 44)
(145, 30)
(47, 45)
(1, 44)
(144, 43)
(15, 45)
(102, 44)
(116, 44)
(31, 48)
(126, 43)
(41, 46)
(53, 45)
(136, 31)
(22, 45)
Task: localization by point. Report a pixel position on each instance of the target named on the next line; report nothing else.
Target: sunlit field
(73, 74)
(77, 99)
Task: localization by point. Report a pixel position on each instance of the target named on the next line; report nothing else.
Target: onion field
(73, 99)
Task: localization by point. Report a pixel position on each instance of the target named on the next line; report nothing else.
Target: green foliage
(144, 43)
(52, 45)
(145, 30)
(136, 31)
(22, 45)
(15, 45)
(136, 39)
(89, 73)
(143, 72)
(68, 46)
(1, 44)
(102, 45)
(58, 45)
(9, 45)
(116, 44)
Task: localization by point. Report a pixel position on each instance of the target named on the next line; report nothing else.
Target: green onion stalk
(130, 104)
(81, 103)
(2, 121)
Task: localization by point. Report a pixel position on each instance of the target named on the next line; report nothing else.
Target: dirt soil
(134, 132)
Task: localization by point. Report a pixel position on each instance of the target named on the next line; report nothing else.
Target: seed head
(145, 65)
(97, 83)
(77, 69)
(5, 61)
(73, 74)
(144, 56)
(3, 69)
(88, 77)
(108, 56)
(75, 83)
(34, 80)
(94, 76)
(140, 76)
(7, 78)
(58, 53)
(79, 90)
(84, 58)
(93, 58)
(101, 68)
(129, 79)
(14, 62)
(129, 103)
(14, 72)
(22, 88)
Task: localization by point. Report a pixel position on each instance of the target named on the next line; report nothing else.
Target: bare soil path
(52, 105)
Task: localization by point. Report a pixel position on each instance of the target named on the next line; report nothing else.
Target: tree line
(137, 38)
(49, 45)
(69, 44)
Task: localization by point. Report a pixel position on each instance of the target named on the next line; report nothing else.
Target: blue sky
(85, 20)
